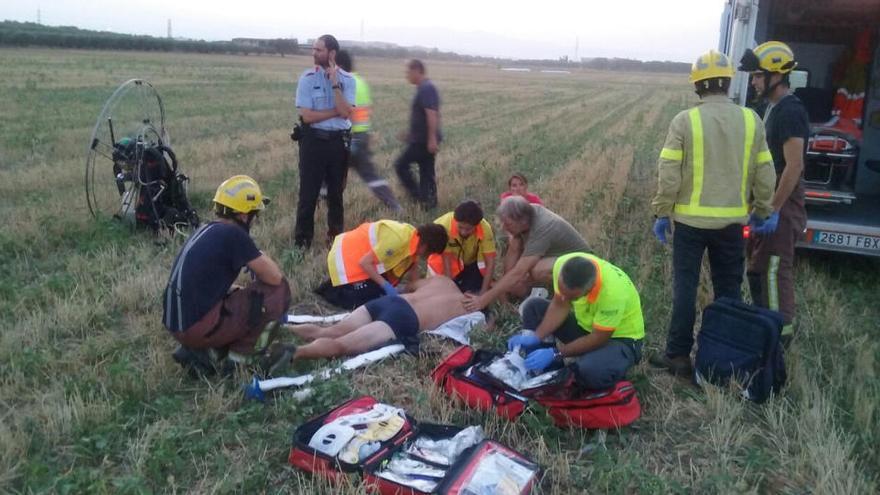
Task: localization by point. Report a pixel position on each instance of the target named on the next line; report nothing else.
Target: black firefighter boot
(197, 362)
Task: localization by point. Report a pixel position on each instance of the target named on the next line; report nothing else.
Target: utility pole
(362, 29)
(576, 43)
(169, 29)
(39, 16)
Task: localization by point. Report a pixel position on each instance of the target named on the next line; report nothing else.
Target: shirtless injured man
(377, 323)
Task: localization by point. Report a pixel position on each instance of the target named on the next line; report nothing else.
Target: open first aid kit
(397, 455)
(491, 381)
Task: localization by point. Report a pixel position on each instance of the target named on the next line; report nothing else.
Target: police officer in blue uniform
(325, 95)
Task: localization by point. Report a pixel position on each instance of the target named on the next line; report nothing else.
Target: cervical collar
(379, 431)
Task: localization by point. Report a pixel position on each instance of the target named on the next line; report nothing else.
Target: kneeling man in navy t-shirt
(203, 310)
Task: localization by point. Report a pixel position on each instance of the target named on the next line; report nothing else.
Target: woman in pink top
(518, 186)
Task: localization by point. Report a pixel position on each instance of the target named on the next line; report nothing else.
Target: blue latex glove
(769, 225)
(755, 222)
(525, 341)
(661, 228)
(389, 289)
(538, 360)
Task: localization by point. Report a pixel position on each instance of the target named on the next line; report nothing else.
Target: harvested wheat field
(91, 401)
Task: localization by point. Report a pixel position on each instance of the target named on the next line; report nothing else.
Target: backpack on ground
(741, 342)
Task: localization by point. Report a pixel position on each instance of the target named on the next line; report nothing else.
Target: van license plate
(866, 242)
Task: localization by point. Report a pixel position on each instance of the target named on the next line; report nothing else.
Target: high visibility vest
(393, 243)
(485, 245)
(714, 166)
(694, 207)
(612, 305)
(363, 105)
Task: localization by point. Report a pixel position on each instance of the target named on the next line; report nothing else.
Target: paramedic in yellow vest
(361, 156)
(469, 258)
(369, 261)
(595, 318)
(714, 170)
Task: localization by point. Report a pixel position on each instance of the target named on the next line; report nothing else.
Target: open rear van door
(738, 24)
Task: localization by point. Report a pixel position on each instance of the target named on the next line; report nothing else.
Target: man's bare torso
(435, 300)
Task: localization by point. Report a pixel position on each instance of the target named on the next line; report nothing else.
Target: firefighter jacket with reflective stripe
(463, 250)
(393, 243)
(363, 105)
(714, 164)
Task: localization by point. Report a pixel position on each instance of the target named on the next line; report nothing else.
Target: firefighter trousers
(771, 264)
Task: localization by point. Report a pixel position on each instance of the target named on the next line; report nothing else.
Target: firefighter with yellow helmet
(771, 250)
(202, 308)
(714, 172)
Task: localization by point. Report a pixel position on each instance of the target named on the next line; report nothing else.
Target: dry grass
(91, 402)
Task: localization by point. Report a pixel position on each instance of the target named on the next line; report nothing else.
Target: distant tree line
(599, 63)
(32, 34)
(602, 63)
(387, 50)
(626, 64)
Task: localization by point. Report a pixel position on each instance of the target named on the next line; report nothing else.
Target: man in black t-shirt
(202, 308)
(771, 246)
(423, 138)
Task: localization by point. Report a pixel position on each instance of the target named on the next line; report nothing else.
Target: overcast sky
(643, 29)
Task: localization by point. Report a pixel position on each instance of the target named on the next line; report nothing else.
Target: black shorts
(470, 279)
(349, 296)
(399, 315)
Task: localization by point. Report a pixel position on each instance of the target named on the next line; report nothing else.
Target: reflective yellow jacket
(715, 165)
